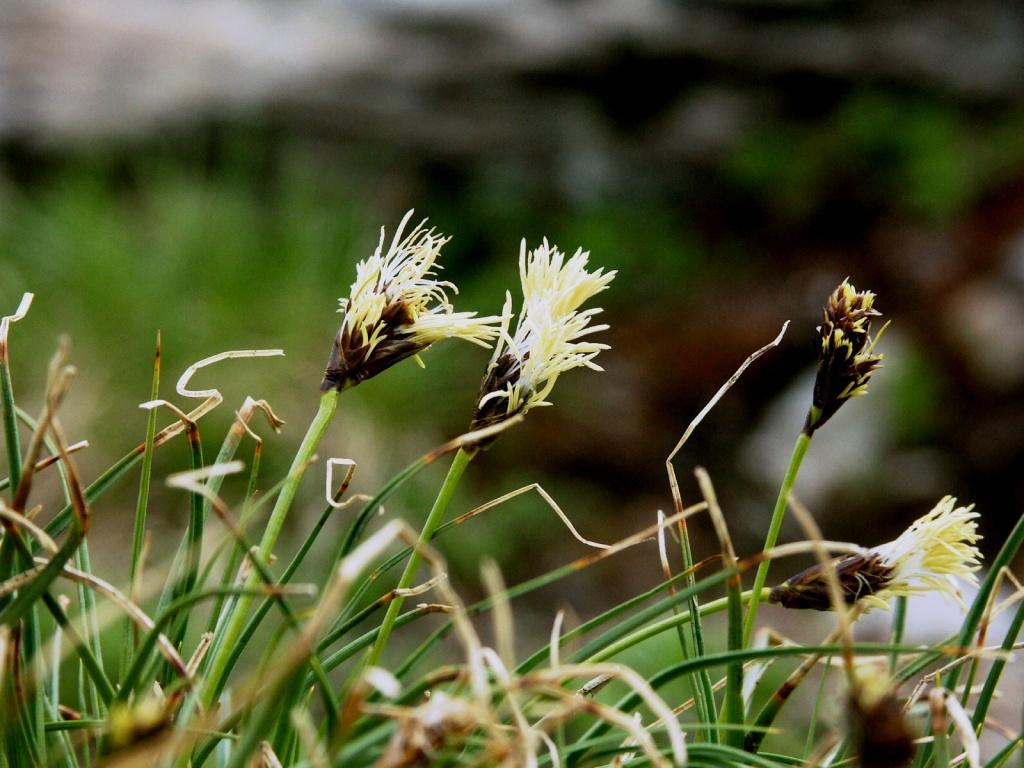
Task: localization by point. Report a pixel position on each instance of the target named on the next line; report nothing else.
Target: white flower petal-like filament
(935, 551)
(397, 307)
(549, 338)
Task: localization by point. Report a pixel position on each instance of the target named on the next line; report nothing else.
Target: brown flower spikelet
(847, 357)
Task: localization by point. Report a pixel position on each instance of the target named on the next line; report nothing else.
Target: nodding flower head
(550, 337)
(397, 308)
(847, 357)
(930, 555)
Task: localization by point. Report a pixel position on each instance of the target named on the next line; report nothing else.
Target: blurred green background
(214, 171)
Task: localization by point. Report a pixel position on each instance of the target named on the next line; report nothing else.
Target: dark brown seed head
(352, 360)
(859, 576)
(847, 357)
(503, 372)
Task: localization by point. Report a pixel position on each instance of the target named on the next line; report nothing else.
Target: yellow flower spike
(549, 337)
(935, 551)
(397, 307)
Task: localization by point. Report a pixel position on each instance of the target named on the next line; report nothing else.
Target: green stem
(704, 692)
(13, 444)
(668, 674)
(973, 619)
(131, 634)
(10, 423)
(234, 551)
(444, 497)
(224, 644)
(799, 451)
(992, 680)
(899, 623)
(977, 610)
(90, 623)
(763, 722)
(732, 708)
(192, 549)
(645, 633)
(349, 543)
(940, 743)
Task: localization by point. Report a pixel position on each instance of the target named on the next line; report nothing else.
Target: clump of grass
(328, 690)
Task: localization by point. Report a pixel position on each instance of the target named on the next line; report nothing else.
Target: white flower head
(934, 552)
(551, 336)
(397, 307)
(930, 556)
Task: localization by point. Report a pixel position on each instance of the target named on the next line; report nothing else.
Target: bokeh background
(213, 169)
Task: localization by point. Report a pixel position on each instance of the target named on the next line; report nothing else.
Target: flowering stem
(224, 643)
(799, 451)
(444, 497)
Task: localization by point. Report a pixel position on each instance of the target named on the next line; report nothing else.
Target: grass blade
(141, 509)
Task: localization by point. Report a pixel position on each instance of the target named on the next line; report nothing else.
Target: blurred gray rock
(479, 76)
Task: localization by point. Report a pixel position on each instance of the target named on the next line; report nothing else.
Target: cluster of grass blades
(204, 676)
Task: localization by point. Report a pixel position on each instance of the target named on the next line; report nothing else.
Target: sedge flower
(397, 307)
(881, 735)
(551, 336)
(931, 555)
(847, 357)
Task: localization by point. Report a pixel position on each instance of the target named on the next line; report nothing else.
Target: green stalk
(799, 451)
(544, 652)
(992, 680)
(899, 623)
(224, 644)
(10, 422)
(133, 679)
(732, 705)
(371, 636)
(193, 540)
(732, 709)
(263, 571)
(612, 649)
(181, 578)
(234, 551)
(33, 687)
(53, 696)
(353, 534)
(703, 690)
(940, 743)
(444, 497)
(90, 624)
(591, 652)
(781, 696)
(977, 610)
(1004, 754)
(131, 634)
(974, 616)
(93, 491)
(13, 443)
(38, 588)
(973, 620)
(816, 715)
(663, 677)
